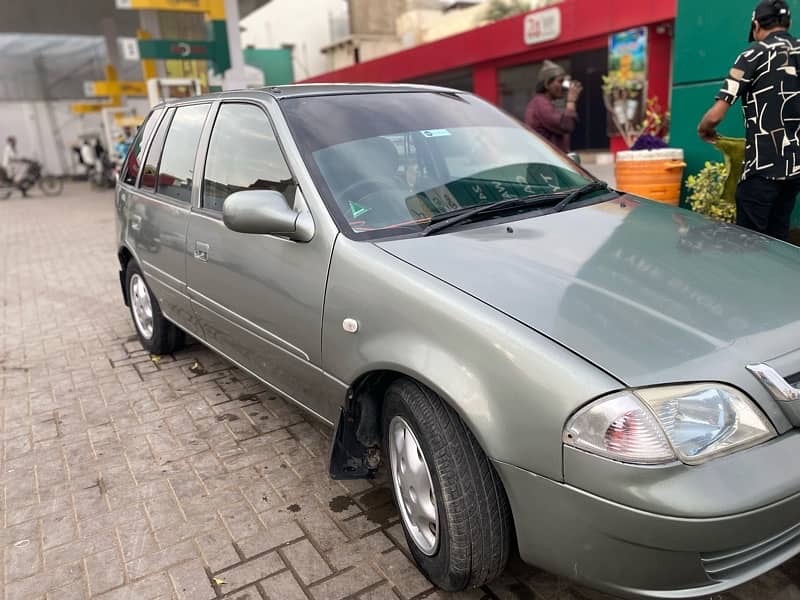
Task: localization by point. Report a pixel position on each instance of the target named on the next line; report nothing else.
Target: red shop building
(500, 61)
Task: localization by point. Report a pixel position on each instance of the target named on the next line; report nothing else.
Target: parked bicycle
(34, 176)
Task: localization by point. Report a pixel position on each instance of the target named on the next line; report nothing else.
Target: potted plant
(706, 195)
(713, 189)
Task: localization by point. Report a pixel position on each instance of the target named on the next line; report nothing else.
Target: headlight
(692, 423)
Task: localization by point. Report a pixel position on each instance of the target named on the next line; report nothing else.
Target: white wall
(36, 138)
(306, 25)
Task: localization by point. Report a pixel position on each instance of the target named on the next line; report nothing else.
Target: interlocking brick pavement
(128, 478)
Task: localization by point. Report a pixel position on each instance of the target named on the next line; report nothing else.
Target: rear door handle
(201, 251)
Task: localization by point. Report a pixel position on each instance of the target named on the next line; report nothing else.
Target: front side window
(176, 171)
(243, 154)
(394, 161)
(136, 154)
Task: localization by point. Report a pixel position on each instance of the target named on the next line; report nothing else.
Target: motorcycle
(49, 184)
(104, 174)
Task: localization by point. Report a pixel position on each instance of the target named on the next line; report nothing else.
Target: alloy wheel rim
(413, 486)
(142, 306)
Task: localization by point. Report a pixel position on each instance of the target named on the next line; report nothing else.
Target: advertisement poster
(627, 67)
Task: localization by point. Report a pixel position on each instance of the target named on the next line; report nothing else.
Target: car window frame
(171, 199)
(197, 206)
(146, 146)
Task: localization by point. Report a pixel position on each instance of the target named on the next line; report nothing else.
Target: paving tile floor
(125, 477)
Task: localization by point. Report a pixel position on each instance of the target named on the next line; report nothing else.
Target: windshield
(388, 163)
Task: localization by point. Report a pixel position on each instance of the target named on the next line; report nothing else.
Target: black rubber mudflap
(348, 457)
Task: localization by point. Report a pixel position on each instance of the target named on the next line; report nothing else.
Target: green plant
(500, 9)
(707, 193)
(656, 119)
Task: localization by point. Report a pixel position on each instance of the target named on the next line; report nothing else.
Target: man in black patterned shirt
(766, 78)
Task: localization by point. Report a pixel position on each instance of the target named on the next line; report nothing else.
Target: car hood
(648, 292)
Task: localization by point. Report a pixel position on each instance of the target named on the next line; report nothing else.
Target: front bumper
(632, 552)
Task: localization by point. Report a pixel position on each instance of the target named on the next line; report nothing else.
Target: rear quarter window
(176, 170)
(136, 155)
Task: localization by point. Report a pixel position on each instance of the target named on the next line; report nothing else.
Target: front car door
(259, 298)
(160, 205)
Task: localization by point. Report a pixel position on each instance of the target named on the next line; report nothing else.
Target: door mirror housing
(266, 212)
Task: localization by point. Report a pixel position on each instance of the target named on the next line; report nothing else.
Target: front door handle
(201, 251)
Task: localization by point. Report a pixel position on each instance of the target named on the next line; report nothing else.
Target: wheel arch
(363, 409)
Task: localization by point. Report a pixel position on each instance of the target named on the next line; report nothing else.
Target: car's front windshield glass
(388, 163)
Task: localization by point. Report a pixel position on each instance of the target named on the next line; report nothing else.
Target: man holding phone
(543, 116)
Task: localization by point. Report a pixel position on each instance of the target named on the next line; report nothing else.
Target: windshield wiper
(589, 188)
(451, 218)
(454, 217)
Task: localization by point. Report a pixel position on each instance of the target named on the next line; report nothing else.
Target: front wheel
(452, 505)
(51, 185)
(156, 334)
(6, 188)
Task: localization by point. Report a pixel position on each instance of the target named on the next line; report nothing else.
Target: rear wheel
(156, 334)
(452, 505)
(5, 190)
(51, 185)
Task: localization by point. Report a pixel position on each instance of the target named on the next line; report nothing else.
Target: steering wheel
(363, 191)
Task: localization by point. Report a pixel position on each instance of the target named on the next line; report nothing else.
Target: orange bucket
(653, 174)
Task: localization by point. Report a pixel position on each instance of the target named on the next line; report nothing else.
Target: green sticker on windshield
(357, 210)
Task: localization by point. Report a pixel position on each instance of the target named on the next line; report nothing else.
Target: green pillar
(275, 63)
(222, 55)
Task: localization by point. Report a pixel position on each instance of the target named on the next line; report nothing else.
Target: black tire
(474, 518)
(5, 191)
(166, 337)
(51, 185)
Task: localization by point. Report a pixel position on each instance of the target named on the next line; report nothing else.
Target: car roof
(314, 89)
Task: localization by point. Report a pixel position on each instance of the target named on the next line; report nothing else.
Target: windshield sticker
(357, 210)
(432, 133)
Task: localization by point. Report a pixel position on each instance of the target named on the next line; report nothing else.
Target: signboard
(114, 88)
(542, 26)
(214, 8)
(129, 48)
(627, 54)
(177, 49)
(627, 68)
(91, 107)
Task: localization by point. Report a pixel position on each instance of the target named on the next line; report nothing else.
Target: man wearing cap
(765, 77)
(543, 116)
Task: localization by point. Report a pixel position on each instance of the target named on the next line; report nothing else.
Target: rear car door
(160, 208)
(259, 297)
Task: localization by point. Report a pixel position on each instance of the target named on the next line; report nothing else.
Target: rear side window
(136, 155)
(176, 171)
(150, 170)
(243, 155)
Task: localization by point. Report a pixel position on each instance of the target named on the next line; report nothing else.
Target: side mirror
(574, 157)
(266, 212)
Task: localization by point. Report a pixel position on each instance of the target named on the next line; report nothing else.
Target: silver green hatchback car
(534, 358)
